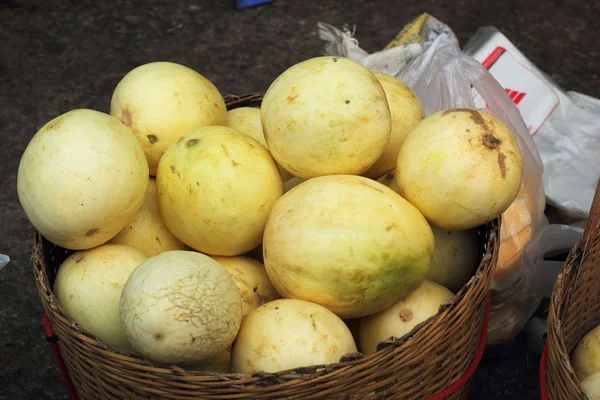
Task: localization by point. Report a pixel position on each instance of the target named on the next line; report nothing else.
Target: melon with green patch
(455, 255)
(216, 187)
(347, 243)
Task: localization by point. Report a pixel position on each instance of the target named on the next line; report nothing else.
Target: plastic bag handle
(540, 273)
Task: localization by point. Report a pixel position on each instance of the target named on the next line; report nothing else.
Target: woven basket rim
(45, 286)
(559, 301)
(556, 351)
(296, 376)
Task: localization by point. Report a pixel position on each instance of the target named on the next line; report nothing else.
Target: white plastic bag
(393, 59)
(443, 77)
(570, 146)
(565, 125)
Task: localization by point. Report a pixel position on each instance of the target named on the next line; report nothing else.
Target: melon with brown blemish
(161, 101)
(290, 333)
(401, 317)
(251, 279)
(460, 167)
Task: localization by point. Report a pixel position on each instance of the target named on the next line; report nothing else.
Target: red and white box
(534, 97)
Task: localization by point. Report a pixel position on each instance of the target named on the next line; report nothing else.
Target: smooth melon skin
(290, 333)
(407, 111)
(216, 187)
(148, 232)
(161, 101)
(460, 167)
(347, 243)
(455, 257)
(88, 287)
(82, 178)
(180, 307)
(586, 356)
(325, 116)
(591, 386)
(247, 120)
(400, 318)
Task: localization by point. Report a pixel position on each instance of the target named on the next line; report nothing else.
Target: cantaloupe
(180, 307)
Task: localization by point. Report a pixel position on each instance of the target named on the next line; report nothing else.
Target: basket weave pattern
(574, 310)
(430, 359)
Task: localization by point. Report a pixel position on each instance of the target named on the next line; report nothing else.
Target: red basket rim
(51, 337)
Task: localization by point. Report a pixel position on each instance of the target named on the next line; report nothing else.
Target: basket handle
(592, 226)
(591, 232)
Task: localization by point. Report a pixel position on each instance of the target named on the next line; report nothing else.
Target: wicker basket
(574, 311)
(434, 361)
